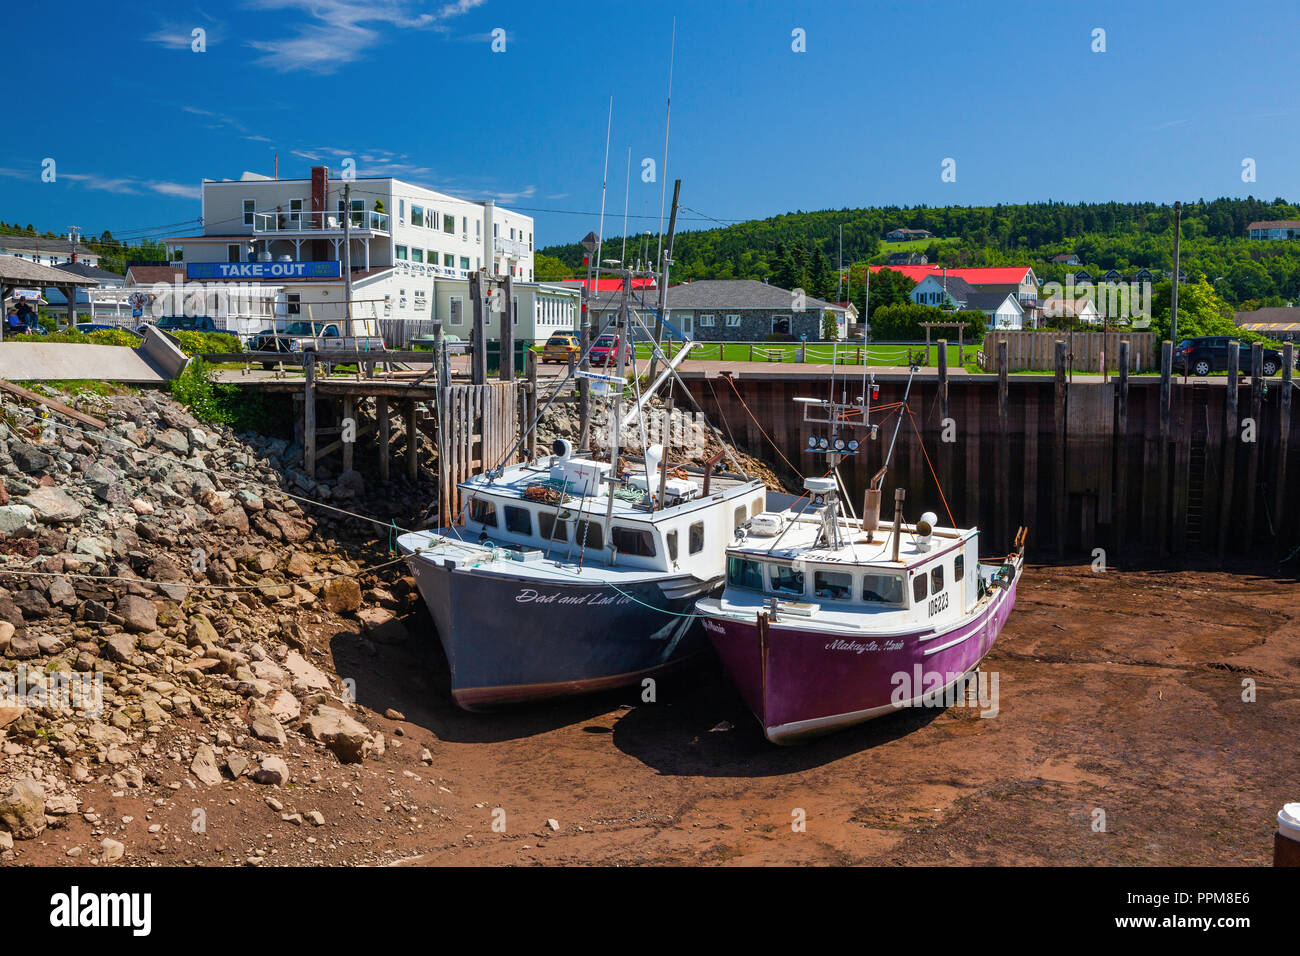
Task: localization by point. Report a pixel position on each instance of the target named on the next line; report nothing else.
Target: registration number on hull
(938, 603)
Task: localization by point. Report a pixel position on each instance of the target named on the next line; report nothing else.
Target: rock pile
(160, 602)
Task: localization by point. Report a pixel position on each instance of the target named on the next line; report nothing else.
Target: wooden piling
(412, 443)
(1284, 433)
(478, 329)
(385, 435)
(530, 402)
(1119, 510)
(506, 371)
(1058, 473)
(1166, 397)
(1002, 489)
(945, 447)
(1227, 513)
(309, 413)
(1252, 452)
(349, 416)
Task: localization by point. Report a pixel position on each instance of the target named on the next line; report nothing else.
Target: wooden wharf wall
(1080, 464)
(1035, 349)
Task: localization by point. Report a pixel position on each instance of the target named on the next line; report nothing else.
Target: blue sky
(885, 92)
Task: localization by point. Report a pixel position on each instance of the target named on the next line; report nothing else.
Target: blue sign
(263, 270)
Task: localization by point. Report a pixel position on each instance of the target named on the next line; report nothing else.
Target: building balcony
(319, 223)
(510, 248)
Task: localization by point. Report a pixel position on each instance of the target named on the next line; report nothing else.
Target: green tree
(550, 269)
(830, 326)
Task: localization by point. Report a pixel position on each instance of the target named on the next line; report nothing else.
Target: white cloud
(176, 189)
(339, 34)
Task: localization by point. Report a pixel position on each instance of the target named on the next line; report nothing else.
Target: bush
(114, 337)
(198, 343)
(193, 389)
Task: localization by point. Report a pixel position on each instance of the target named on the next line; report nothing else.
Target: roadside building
(1281, 323)
(1274, 229)
(46, 251)
(903, 235)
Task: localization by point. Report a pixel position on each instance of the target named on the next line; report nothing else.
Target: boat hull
(810, 682)
(511, 640)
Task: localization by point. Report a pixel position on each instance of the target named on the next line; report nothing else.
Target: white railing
(332, 222)
(514, 248)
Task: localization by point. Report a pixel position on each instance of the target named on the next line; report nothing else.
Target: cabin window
(670, 539)
(738, 518)
(959, 568)
(639, 541)
(744, 574)
(551, 529)
(936, 579)
(519, 520)
(589, 535)
(882, 589)
(785, 579)
(834, 585)
(696, 542)
(918, 588)
(483, 511)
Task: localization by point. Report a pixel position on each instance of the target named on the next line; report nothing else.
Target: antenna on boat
(663, 170)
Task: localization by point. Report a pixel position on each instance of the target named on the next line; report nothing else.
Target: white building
(412, 250)
(46, 251)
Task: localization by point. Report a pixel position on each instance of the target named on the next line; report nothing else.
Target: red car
(605, 350)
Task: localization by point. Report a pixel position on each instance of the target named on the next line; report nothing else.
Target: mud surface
(1119, 692)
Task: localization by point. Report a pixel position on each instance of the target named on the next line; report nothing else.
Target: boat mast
(615, 444)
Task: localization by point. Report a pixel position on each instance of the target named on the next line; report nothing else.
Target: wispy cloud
(1169, 124)
(342, 31)
(120, 184)
(180, 36)
(179, 190)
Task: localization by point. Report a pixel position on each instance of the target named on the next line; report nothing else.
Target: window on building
(696, 542)
(785, 579)
(478, 230)
(706, 319)
(401, 211)
(232, 253)
(295, 212)
(733, 321)
(433, 257)
(417, 255)
(918, 588)
(780, 325)
(484, 511)
(421, 301)
(514, 305)
(250, 207)
(512, 233)
(743, 573)
(456, 307)
(519, 520)
(401, 298)
(464, 225)
(464, 263)
(401, 253)
(530, 242)
(178, 255)
(448, 224)
(293, 304)
(417, 215)
(551, 529)
(448, 260)
(882, 588)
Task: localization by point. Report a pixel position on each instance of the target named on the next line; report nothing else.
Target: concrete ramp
(156, 359)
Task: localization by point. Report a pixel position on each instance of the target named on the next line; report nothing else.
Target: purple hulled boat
(827, 620)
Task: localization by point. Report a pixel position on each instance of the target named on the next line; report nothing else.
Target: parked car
(1209, 353)
(605, 351)
(560, 346)
(184, 323)
(100, 327)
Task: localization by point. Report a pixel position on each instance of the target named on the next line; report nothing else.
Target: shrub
(198, 343)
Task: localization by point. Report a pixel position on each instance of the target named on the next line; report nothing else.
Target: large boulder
(22, 808)
(16, 518)
(137, 613)
(29, 458)
(349, 739)
(204, 766)
(52, 505)
(342, 595)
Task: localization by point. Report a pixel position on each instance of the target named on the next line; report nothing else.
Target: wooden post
(349, 414)
(530, 402)
(1252, 452)
(1001, 503)
(381, 413)
(309, 413)
(961, 337)
(945, 447)
(1166, 400)
(507, 370)
(1119, 510)
(1284, 434)
(1227, 513)
(412, 443)
(1058, 475)
(478, 330)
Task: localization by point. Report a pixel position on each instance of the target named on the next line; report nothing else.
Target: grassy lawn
(911, 245)
(879, 354)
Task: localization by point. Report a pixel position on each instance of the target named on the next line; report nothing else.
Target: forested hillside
(800, 248)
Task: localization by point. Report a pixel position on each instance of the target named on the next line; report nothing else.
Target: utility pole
(663, 279)
(1173, 298)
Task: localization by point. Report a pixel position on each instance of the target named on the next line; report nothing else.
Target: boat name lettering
(590, 599)
(856, 648)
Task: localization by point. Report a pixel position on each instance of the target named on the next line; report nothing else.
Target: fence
(1034, 349)
(477, 426)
